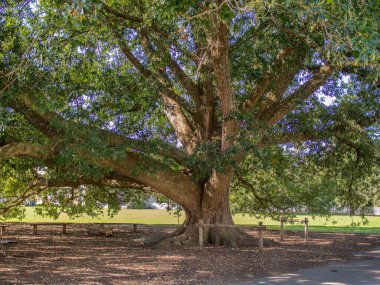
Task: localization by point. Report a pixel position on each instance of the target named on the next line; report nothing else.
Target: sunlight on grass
(144, 216)
(163, 217)
(335, 223)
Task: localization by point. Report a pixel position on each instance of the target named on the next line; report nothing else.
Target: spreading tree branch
(134, 168)
(55, 128)
(280, 74)
(159, 78)
(191, 88)
(24, 150)
(279, 110)
(172, 184)
(122, 14)
(182, 127)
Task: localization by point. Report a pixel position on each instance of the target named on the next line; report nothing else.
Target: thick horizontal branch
(134, 171)
(24, 150)
(174, 185)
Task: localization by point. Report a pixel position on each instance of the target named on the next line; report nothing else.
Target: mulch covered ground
(75, 258)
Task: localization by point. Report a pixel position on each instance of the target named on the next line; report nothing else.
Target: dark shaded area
(124, 258)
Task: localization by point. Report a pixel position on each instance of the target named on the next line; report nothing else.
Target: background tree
(173, 96)
(280, 181)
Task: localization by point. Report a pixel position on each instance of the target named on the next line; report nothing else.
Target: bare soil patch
(124, 258)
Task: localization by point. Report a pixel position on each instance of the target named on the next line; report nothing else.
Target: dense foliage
(106, 101)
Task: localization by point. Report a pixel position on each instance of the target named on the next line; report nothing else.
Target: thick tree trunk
(215, 213)
(219, 229)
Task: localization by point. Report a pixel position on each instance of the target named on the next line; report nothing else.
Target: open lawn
(337, 223)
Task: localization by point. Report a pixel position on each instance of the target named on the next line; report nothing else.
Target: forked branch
(279, 110)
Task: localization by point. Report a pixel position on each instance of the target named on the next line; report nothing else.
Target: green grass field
(336, 223)
(162, 217)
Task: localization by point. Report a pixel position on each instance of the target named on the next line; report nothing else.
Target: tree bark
(215, 214)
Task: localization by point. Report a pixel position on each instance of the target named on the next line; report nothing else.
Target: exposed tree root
(230, 237)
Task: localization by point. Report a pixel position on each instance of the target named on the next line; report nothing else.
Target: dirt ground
(124, 258)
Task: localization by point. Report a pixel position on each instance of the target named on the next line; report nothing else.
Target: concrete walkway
(366, 272)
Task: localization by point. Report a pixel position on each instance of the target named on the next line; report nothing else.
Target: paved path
(366, 272)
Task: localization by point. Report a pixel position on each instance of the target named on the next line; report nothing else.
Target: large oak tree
(173, 96)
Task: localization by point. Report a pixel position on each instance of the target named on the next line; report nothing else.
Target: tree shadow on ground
(75, 258)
